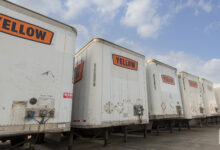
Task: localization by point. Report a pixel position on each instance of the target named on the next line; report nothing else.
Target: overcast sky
(181, 33)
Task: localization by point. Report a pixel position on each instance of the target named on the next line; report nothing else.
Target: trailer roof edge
(203, 79)
(161, 63)
(37, 15)
(109, 43)
(183, 72)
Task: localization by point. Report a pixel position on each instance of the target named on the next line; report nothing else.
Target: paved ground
(206, 138)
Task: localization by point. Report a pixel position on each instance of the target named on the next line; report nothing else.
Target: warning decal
(168, 79)
(67, 95)
(124, 62)
(25, 30)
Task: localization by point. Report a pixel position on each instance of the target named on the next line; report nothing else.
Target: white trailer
(191, 96)
(217, 96)
(163, 91)
(36, 61)
(110, 86)
(208, 95)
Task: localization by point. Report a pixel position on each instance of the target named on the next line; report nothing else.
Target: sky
(182, 33)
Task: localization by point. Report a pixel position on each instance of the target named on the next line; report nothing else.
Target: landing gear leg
(70, 142)
(125, 134)
(106, 137)
(179, 125)
(145, 131)
(170, 126)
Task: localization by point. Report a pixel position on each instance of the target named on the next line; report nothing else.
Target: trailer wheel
(65, 134)
(3, 140)
(18, 139)
(38, 138)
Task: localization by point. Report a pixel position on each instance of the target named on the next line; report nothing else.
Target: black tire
(38, 138)
(3, 140)
(18, 139)
(65, 134)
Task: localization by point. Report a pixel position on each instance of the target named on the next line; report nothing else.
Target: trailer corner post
(206, 122)
(31, 145)
(200, 122)
(179, 125)
(125, 134)
(145, 131)
(106, 137)
(157, 128)
(171, 127)
(188, 125)
(70, 142)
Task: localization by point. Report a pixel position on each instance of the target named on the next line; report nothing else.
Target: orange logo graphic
(78, 72)
(125, 62)
(209, 88)
(167, 79)
(193, 84)
(24, 30)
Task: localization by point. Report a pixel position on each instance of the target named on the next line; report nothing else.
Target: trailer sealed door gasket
(124, 62)
(25, 30)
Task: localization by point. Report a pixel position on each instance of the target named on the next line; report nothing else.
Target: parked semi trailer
(217, 96)
(164, 93)
(208, 95)
(36, 61)
(165, 105)
(110, 87)
(191, 92)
